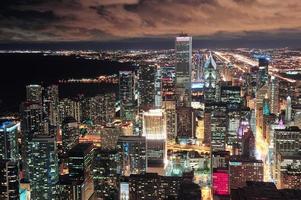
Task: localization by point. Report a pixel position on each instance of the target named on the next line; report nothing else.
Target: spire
(210, 62)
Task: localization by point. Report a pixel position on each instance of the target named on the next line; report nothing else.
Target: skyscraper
(9, 148)
(69, 107)
(9, 180)
(132, 153)
(210, 79)
(154, 129)
(80, 159)
(146, 86)
(127, 95)
(185, 123)
(31, 125)
(263, 72)
(183, 70)
(105, 168)
(70, 134)
(218, 125)
(34, 94)
(274, 95)
(102, 108)
(288, 110)
(43, 167)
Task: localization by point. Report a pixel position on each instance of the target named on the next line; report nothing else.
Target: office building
(220, 173)
(146, 86)
(287, 140)
(102, 108)
(9, 133)
(43, 167)
(80, 159)
(263, 72)
(168, 79)
(70, 134)
(50, 104)
(218, 125)
(274, 95)
(69, 108)
(243, 169)
(34, 94)
(105, 176)
(288, 110)
(288, 170)
(9, 180)
(183, 48)
(127, 95)
(132, 154)
(70, 190)
(171, 119)
(210, 79)
(31, 125)
(231, 95)
(185, 123)
(151, 186)
(154, 129)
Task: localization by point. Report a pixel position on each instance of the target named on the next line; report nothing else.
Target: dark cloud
(70, 20)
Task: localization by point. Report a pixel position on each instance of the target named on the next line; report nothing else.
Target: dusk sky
(106, 20)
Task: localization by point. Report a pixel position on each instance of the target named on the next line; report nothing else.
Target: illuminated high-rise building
(243, 169)
(69, 107)
(218, 125)
(80, 159)
(106, 179)
(146, 86)
(183, 49)
(158, 88)
(231, 95)
(9, 180)
(154, 129)
(288, 110)
(168, 83)
(171, 119)
(127, 95)
(210, 80)
(9, 147)
(274, 95)
(287, 140)
(169, 100)
(153, 186)
(132, 154)
(43, 167)
(70, 134)
(102, 108)
(220, 174)
(186, 123)
(31, 125)
(263, 72)
(34, 94)
(51, 103)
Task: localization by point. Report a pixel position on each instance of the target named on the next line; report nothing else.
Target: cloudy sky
(106, 20)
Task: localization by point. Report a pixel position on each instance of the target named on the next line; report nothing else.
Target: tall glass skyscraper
(9, 140)
(127, 95)
(183, 70)
(43, 167)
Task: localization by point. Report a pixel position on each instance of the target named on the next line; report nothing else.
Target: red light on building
(220, 183)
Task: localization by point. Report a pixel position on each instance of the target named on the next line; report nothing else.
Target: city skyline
(150, 100)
